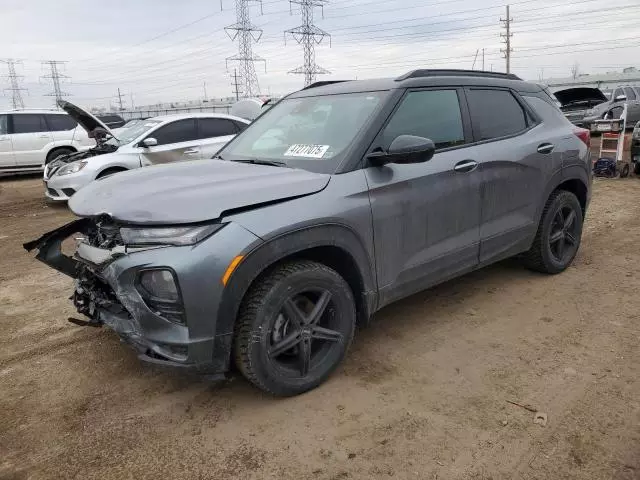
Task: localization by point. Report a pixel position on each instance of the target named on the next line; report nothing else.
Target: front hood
(191, 192)
(84, 118)
(580, 94)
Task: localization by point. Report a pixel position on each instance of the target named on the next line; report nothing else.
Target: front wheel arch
(110, 171)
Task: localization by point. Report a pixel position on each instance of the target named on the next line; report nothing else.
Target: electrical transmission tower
(308, 35)
(56, 79)
(246, 33)
(507, 39)
(14, 82)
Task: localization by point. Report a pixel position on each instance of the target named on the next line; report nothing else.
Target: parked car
(612, 108)
(112, 120)
(31, 138)
(635, 149)
(575, 102)
(163, 139)
(272, 253)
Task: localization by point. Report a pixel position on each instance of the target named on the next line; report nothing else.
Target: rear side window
(631, 95)
(240, 125)
(29, 123)
(495, 113)
(433, 114)
(215, 127)
(59, 123)
(176, 132)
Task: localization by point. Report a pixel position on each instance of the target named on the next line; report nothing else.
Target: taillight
(584, 135)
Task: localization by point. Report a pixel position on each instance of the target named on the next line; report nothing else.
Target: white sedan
(157, 140)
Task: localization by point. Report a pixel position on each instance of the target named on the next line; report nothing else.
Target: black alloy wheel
(563, 238)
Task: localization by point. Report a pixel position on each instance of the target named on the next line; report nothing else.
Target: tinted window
(616, 93)
(495, 113)
(433, 114)
(215, 127)
(28, 123)
(59, 123)
(241, 126)
(3, 125)
(174, 132)
(631, 95)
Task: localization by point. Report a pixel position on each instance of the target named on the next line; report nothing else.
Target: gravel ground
(423, 392)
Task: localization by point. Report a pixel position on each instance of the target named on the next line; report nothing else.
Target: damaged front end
(107, 291)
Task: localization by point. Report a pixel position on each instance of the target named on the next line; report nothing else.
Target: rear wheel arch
(336, 246)
(54, 152)
(579, 189)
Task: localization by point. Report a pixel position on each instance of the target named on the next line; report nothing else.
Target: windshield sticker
(311, 151)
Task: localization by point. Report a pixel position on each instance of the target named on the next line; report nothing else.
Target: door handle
(191, 151)
(546, 148)
(466, 166)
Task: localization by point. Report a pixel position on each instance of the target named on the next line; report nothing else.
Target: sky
(167, 50)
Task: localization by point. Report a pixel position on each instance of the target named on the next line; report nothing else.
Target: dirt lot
(423, 393)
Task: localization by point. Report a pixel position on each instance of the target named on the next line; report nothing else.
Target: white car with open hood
(157, 140)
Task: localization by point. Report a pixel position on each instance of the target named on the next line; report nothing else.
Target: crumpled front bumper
(195, 345)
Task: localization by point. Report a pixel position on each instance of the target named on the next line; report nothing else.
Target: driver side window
(432, 114)
(176, 132)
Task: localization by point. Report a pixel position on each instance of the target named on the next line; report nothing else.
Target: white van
(29, 139)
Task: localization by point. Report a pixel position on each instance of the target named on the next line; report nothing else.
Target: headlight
(168, 235)
(73, 167)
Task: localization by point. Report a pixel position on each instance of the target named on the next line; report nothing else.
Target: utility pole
(246, 33)
(473, 66)
(507, 39)
(204, 87)
(236, 85)
(483, 60)
(308, 35)
(120, 102)
(56, 79)
(132, 104)
(14, 83)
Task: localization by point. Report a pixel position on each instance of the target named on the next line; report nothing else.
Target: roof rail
(323, 83)
(423, 72)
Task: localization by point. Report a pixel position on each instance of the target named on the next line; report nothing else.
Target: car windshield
(308, 132)
(129, 134)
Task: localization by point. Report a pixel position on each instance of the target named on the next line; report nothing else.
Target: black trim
(422, 72)
(13, 167)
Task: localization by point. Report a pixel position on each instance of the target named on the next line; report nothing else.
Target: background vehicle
(613, 107)
(635, 149)
(157, 140)
(337, 201)
(112, 120)
(31, 138)
(575, 102)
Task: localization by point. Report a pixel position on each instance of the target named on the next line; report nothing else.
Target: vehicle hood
(191, 192)
(580, 94)
(85, 119)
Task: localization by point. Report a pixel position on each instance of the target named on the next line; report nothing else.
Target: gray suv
(337, 201)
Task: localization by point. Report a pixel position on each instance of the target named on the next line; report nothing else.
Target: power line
(308, 35)
(246, 33)
(55, 76)
(14, 82)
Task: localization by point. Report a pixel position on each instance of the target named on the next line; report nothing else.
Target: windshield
(309, 132)
(129, 134)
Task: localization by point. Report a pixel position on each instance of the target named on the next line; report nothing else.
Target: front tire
(60, 152)
(294, 328)
(559, 233)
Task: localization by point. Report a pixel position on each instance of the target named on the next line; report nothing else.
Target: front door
(6, 148)
(213, 134)
(426, 216)
(177, 141)
(30, 139)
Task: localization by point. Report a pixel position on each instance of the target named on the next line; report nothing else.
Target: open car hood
(580, 94)
(191, 192)
(85, 119)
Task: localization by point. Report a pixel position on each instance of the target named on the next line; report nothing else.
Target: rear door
(213, 134)
(6, 148)
(517, 154)
(177, 141)
(30, 138)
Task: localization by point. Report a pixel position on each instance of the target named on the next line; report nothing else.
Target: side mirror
(620, 98)
(149, 142)
(404, 149)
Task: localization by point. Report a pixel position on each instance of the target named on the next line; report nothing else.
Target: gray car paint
(405, 226)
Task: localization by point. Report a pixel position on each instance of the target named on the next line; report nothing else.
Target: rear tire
(636, 168)
(624, 172)
(294, 328)
(58, 153)
(559, 233)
